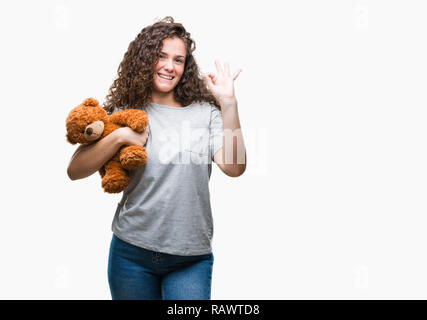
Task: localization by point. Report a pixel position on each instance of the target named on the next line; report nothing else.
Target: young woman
(163, 228)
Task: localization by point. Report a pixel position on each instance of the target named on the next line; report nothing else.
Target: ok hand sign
(222, 84)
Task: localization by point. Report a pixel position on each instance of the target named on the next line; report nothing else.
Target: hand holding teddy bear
(89, 122)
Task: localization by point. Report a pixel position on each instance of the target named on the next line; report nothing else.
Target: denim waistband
(157, 262)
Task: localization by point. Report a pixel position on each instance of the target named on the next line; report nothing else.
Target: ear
(70, 138)
(91, 102)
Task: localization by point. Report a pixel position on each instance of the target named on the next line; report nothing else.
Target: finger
(208, 81)
(213, 77)
(236, 74)
(218, 67)
(227, 69)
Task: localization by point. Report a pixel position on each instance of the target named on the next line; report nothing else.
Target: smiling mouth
(165, 77)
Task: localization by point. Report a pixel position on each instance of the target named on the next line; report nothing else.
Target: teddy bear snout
(94, 130)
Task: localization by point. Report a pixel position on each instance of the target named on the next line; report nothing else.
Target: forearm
(89, 159)
(234, 151)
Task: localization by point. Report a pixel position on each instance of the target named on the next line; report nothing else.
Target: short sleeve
(215, 131)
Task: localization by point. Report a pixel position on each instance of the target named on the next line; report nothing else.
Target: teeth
(165, 77)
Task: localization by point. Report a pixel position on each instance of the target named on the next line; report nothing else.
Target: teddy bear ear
(91, 102)
(70, 138)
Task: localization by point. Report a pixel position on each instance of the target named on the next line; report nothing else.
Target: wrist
(118, 137)
(226, 102)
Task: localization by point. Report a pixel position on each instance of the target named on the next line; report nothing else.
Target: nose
(89, 131)
(168, 65)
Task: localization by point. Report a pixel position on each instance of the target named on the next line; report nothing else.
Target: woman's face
(170, 67)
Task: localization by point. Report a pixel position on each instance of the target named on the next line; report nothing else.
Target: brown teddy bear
(89, 122)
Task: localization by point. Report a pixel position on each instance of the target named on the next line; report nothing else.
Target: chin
(163, 87)
(164, 90)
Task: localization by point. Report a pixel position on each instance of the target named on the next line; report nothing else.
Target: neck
(164, 98)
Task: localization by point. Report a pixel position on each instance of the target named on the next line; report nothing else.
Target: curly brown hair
(133, 86)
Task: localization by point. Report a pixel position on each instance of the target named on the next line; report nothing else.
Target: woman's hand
(222, 84)
(129, 137)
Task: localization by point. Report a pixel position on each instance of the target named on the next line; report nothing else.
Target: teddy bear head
(85, 123)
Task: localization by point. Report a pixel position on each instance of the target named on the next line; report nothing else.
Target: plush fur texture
(88, 122)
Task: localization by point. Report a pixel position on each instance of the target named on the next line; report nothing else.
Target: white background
(332, 104)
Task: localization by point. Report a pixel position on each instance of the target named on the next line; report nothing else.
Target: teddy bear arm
(135, 119)
(115, 179)
(133, 157)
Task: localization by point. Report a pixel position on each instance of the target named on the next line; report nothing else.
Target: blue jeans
(135, 273)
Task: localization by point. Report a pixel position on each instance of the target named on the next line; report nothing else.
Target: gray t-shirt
(166, 208)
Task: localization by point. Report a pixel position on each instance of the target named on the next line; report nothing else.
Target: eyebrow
(179, 56)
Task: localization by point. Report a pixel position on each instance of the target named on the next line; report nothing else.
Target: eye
(179, 60)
